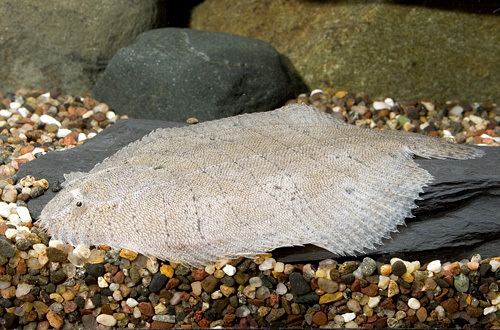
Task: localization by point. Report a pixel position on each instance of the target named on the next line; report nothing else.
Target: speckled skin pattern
(248, 184)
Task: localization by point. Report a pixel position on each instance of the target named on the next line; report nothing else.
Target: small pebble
(229, 270)
(413, 303)
(107, 320)
(434, 266)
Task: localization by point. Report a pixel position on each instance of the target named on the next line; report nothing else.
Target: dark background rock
(407, 49)
(65, 44)
(457, 217)
(174, 74)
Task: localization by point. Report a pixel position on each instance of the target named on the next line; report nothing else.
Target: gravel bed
(45, 283)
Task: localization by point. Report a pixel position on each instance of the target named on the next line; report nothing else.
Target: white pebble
(414, 303)
(434, 266)
(23, 289)
(152, 265)
(281, 289)
(10, 233)
(62, 132)
(316, 91)
(348, 317)
(440, 311)
(267, 264)
(15, 105)
(4, 209)
(131, 302)
(82, 251)
(494, 265)
(14, 219)
(4, 285)
(229, 270)
(373, 301)
(40, 248)
(383, 282)
(447, 133)
(114, 286)
(101, 107)
(91, 135)
(46, 119)
(413, 266)
(23, 112)
(38, 151)
(82, 137)
(456, 111)
(210, 269)
(216, 295)
(44, 97)
(389, 102)
(101, 282)
(5, 113)
(476, 119)
(111, 116)
(107, 320)
(88, 114)
(55, 243)
(279, 267)
(379, 105)
(23, 228)
(35, 118)
(24, 214)
(489, 310)
(137, 312)
(117, 295)
(428, 105)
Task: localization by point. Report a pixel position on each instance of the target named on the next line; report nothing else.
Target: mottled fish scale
(248, 184)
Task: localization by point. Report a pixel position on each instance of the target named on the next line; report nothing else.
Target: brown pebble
(161, 325)
(55, 320)
(69, 306)
(198, 274)
(204, 323)
(172, 283)
(474, 311)
(70, 139)
(380, 323)
(450, 306)
(119, 277)
(43, 325)
(26, 149)
(320, 318)
(228, 319)
(146, 309)
(421, 314)
(356, 286)
(370, 290)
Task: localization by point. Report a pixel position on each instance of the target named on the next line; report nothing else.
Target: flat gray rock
(173, 74)
(457, 216)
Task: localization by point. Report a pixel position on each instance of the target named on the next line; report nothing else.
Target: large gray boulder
(65, 44)
(174, 74)
(406, 49)
(457, 216)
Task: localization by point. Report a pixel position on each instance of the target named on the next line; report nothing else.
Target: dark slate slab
(457, 216)
(173, 74)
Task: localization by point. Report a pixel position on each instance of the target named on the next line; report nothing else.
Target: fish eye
(78, 204)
